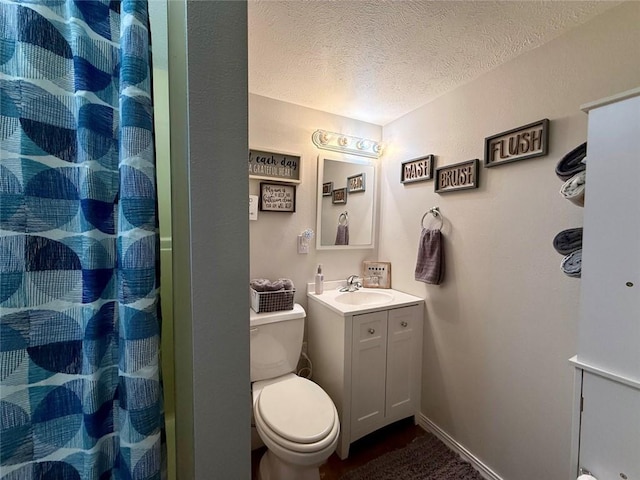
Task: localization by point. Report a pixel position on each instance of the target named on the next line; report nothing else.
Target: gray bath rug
(426, 458)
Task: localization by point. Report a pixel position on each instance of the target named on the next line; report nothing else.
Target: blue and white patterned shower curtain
(80, 391)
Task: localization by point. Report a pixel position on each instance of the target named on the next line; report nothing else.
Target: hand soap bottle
(319, 281)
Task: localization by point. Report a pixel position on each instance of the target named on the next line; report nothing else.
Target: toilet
(294, 417)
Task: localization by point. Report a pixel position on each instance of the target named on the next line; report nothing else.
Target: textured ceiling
(377, 60)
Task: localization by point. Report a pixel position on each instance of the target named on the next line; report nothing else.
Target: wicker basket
(272, 301)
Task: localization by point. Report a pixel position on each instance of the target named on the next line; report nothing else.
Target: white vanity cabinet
(369, 363)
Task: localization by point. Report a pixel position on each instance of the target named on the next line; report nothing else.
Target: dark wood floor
(362, 451)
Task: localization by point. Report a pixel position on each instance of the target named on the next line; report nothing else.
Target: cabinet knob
(372, 331)
(404, 324)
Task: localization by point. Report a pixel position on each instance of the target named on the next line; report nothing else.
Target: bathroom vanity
(366, 348)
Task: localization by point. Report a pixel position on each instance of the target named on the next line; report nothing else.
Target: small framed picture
(339, 195)
(355, 183)
(327, 188)
(277, 197)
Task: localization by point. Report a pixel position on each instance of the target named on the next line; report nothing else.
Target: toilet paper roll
(586, 476)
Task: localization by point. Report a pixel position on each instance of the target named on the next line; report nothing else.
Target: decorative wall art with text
(460, 176)
(277, 197)
(274, 166)
(417, 170)
(528, 141)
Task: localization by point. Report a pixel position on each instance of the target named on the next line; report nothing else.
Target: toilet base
(274, 468)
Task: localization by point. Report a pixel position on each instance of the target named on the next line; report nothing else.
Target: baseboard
(450, 442)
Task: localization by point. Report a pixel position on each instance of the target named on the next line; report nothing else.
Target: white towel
(573, 189)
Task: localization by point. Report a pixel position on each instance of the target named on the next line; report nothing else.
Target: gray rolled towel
(572, 264)
(572, 162)
(568, 241)
(287, 283)
(259, 284)
(274, 286)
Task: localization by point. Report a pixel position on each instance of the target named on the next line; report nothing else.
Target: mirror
(346, 204)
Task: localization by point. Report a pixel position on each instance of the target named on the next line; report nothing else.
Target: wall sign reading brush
(460, 176)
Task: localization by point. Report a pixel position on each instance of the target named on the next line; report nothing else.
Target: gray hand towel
(430, 262)
(568, 241)
(572, 264)
(342, 235)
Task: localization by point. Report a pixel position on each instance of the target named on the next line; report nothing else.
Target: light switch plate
(376, 274)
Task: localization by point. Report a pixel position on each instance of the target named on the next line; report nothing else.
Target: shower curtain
(80, 389)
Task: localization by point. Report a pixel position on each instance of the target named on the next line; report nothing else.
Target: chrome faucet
(353, 284)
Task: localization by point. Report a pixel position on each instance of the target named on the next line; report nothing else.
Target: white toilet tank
(276, 342)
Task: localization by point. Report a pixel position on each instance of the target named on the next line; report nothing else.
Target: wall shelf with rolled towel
(435, 211)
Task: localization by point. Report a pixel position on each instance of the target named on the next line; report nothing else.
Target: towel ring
(343, 217)
(435, 211)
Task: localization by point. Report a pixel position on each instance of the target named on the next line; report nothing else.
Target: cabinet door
(610, 428)
(403, 362)
(609, 332)
(368, 357)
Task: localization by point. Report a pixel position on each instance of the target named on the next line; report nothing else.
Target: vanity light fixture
(338, 142)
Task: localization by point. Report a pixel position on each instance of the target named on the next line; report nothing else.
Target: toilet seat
(297, 409)
(297, 415)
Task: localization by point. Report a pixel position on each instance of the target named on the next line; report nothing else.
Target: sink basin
(364, 298)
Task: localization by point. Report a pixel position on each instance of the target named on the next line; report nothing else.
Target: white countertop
(329, 298)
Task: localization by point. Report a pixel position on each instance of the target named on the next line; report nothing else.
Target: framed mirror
(346, 201)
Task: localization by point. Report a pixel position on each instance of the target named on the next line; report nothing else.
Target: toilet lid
(297, 409)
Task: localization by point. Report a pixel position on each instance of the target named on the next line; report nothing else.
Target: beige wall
(500, 329)
(285, 127)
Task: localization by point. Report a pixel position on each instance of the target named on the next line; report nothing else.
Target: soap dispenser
(319, 281)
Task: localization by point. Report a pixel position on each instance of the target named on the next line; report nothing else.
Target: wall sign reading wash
(528, 141)
(460, 176)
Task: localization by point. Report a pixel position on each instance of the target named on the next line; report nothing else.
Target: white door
(610, 429)
(368, 372)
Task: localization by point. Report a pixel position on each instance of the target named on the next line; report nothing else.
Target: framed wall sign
(278, 166)
(460, 176)
(277, 197)
(355, 183)
(528, 141)
(327, 188)
(339, 195)
(417, 170)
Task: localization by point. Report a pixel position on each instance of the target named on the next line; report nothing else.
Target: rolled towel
(274, 286)
(287, 283)
(568, 241)
(572, 264)
(342, 235)
(572, 162)
(430, 261)
(573, 189)
(259, 284)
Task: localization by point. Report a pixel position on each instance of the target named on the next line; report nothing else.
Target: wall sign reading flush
(528, 141)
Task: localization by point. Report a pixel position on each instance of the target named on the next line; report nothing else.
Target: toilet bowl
(298, 423)
(294, 417)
